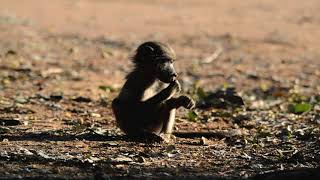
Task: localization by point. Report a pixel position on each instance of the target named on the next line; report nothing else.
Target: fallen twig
(213, 56)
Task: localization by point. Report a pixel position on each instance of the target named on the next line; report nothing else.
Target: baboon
(136, 112)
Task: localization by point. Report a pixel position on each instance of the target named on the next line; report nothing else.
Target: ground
(62, 63)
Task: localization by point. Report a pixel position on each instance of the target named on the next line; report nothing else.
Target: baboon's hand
(186, 102)
(175, 86)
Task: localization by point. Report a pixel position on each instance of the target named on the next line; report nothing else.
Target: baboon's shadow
(55, 136)
(88, 136)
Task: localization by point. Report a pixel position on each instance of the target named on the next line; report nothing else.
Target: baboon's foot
(146, 137)
(168, 138)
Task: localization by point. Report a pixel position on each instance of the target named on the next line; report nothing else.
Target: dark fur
(135, 111)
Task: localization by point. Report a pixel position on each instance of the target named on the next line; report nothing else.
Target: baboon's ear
(146, 51)
(149, 48)
(143, 53)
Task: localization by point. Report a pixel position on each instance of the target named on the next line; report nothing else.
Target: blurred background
(250, 34)
(296, 21)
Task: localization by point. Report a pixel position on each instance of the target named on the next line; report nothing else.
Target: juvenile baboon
(136, 112)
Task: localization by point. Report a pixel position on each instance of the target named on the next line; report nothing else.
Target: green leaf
(192, 116)
(299, 108)
(201, 93)
(107, 88)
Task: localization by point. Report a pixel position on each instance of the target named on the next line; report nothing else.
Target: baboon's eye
(163, 60)
(168, 61)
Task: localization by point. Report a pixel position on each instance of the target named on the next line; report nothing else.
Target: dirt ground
(62, 63)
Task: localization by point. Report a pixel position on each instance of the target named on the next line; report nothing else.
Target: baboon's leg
(162, 116)
(169, 113)
(168, 124)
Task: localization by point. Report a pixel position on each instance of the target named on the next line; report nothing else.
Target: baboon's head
(158, 59)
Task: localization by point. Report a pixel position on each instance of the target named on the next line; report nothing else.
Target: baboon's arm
(165, 94)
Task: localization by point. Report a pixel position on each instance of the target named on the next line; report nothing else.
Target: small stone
(25, 151)
(171, 155)
(204, 141)
(21, 100)
(122, 159)
(96, 115)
